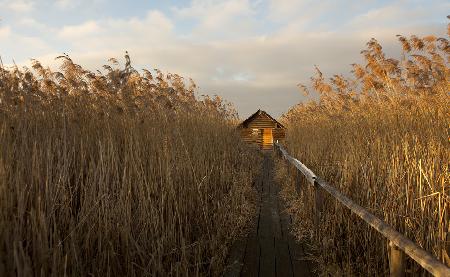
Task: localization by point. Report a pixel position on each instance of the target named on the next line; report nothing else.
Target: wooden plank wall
(279, 134)
(261, 122)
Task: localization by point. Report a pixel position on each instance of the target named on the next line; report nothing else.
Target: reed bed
(381, 137)
(120, 173)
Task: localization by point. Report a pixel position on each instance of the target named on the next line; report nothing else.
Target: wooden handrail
(425, 259)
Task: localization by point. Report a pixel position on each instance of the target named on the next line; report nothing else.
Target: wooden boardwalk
(269, 249)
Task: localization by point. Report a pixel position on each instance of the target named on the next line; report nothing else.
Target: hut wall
(247, 135)
(279, 134)
(253, 131)
(261, 122)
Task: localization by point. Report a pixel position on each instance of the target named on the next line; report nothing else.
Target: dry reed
(382, 139)
(117, 174)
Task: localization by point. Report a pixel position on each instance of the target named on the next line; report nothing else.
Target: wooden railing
(398, 244)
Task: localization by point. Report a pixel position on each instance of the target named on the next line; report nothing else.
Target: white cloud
(285, 9)
(37, 43)
(79, 31)
(217, 15)
(64, 4)
(20, 6)
(384, 16)
(32, 24)
(110, 34)
(68, 4)
(5, 32)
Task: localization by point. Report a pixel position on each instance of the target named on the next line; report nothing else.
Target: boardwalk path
(269, 249)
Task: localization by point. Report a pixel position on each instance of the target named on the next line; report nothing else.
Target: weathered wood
(283, 262)
(251, 259)
(270, 249)
(426, 260)
(262, 129)
(396, 261)
(265, 222)
(267, 258)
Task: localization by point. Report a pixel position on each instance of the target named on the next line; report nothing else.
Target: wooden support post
(396, 261)
(318, 207)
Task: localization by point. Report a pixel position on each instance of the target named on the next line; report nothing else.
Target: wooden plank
(283, 263)
(279, 133)
(265, 229)
(267, 258)
(274, 203)
(251, 259)
(262, 121)
(269, 221)
(275, 218)
(270, 249)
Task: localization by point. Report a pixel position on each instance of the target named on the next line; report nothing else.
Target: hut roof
(260, 112)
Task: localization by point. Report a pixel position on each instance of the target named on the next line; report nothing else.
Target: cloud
(213, 15)
(38, 44)
(396, 14)
(69, 4)
(79, 31)
(286, 9)
(32, 24)
(19, 6)
(225, 51)
(5, 32)
(111, 34)
(64, 4)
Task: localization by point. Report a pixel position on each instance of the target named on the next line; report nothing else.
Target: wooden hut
(262, 129)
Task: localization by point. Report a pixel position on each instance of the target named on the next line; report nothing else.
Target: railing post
(318, 207)
(396, 261)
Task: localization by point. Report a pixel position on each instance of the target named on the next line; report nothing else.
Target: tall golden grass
(117, 173)
(382, 138)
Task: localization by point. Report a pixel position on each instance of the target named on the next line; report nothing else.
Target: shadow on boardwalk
(269, 249)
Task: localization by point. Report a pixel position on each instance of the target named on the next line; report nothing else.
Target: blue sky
(251, 52)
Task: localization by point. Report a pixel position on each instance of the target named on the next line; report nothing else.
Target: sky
(252, 53)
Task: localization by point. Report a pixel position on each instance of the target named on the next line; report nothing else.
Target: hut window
(255, 132)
